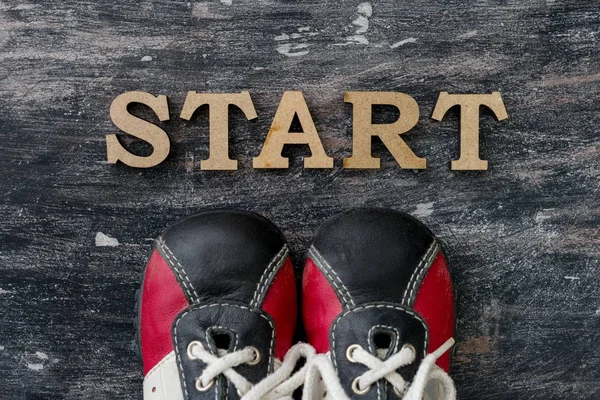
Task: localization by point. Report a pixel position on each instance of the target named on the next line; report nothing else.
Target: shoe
(378, 304)
(218, 309)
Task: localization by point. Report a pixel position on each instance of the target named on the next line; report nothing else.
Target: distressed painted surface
(523, 238)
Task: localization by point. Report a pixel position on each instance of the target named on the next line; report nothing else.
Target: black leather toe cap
(221, 254)
(373, 251)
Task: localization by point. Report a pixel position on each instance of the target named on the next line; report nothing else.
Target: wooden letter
(363, 129)
(218, 103)
(292, 103)
(139, 128)
(469, 124)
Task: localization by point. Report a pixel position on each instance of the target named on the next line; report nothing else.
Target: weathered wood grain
(523, 237)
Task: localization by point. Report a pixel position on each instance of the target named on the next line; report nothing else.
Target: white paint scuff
(103, 240)
(424, 209)
(283, 36)
(35, 366)
(361, 39)
(294, 44)
(364, 11)
(403, 42)
(365, 8)
(146, 58)
(543, 215)
(363, 24)
(468, 35)
(572, 278)
(1, 348)
(2, 291)
(41, 356)
(203, 11)
(289, 49)
(227, 2)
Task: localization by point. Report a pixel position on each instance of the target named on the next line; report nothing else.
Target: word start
(293, 105)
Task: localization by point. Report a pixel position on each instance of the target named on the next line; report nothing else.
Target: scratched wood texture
(522, 238)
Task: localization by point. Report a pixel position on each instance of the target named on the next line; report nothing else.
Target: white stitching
(179, 270)
(388, 327)
(160, 244)
(417, 317)
(218, 388)
(179, 362)
(177, 263)
(275, 264)
(324, 267)
(423, 266)
(268, 274)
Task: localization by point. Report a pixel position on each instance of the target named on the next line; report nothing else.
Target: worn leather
(375, 261)
(220, 269)
(320, 306)
(222, 254)
(162, 382)
(359, 325)
(162, 300)
(247, 327)
(281, 303)
(373, 252)
(435, 303)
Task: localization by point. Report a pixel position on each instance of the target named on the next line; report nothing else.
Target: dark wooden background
(522, 238)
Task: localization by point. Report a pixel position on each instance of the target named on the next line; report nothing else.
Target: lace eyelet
(398, 393)
(411, 347)
(350, 351)
(256, 356)
(356, 388)
(190, 349)
(201, 388)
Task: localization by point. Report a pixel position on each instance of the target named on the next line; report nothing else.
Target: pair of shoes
(218, 308)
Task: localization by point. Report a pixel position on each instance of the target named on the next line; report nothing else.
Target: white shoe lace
(322, 368)
(318, 375)
(281, 384)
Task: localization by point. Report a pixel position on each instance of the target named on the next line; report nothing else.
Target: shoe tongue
(229, 327)
(382, 329)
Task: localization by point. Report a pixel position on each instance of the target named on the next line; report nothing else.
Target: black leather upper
(373, 251)
(245, 326)
(223, 260)
(360, 325)
(223, 253)
(370, 256)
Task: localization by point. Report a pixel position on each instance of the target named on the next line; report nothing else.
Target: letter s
(139, 128)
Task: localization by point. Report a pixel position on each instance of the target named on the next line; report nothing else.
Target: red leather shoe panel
(320, 306)
(162, 301)
(435, 303)
(281, 304)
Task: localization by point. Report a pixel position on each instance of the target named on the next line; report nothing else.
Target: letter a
(292, 103)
